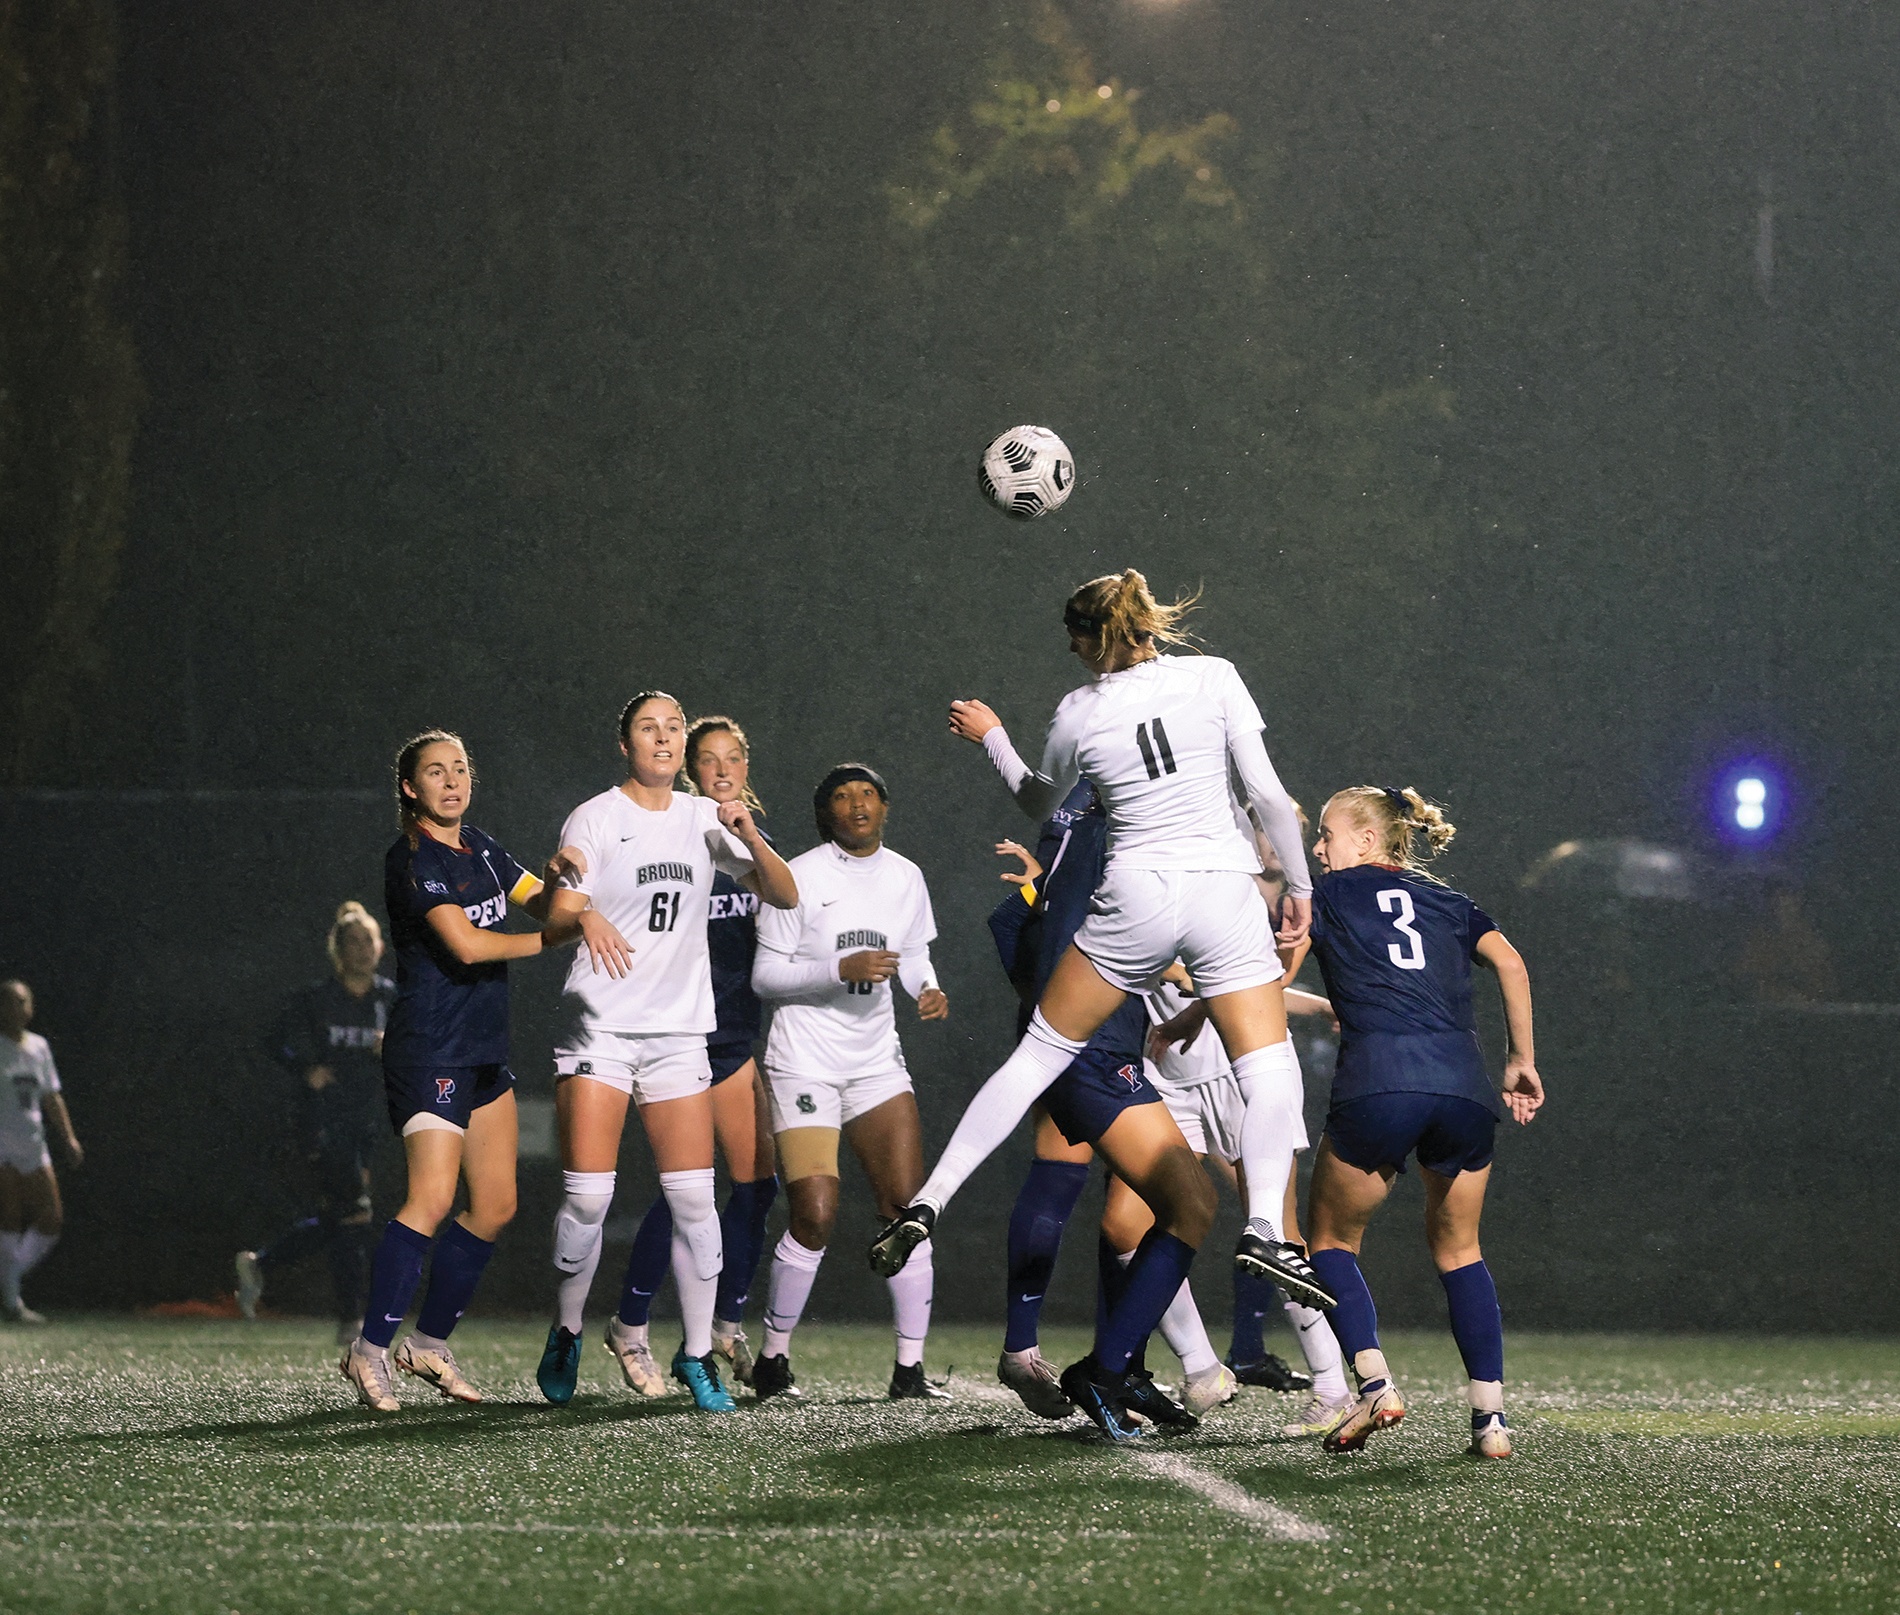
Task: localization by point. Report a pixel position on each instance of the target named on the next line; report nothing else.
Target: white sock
(1271, 1130)
(698, 1252)
(794, 1271)
(10, 1273)
(577, 1237)
(1485, 1396)
(1186, 1335)
(1042, 1056)
(911, 1293)
(1320, 1348)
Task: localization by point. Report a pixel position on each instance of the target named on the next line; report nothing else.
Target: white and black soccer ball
(1027, 472)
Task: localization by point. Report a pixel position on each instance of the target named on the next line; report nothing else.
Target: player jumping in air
(644, 856)
(331, 1041)
(834, 1062)
(31, 1215)
(1160, 737)
(1396, 948)
(718, 763)
(445, 1062)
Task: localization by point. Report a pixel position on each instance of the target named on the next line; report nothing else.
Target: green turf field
(221, 1466)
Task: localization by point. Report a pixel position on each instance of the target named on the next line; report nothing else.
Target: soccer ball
(1027, 472)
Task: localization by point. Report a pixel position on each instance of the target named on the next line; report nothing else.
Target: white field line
(1236, 1500)
(386, 1528)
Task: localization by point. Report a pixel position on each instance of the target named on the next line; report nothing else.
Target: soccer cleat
(437, 1368)
(700, 1375)
(1144, 1399)
(367, 1368)
(1098, 1395)
(560, 1367)
(1492, 1439)
(772, 1376)
(638, 1366)
(1318, 1418)
(737, 1351)
(1382, 1409)
(1284, 1265)
(899, 1237)
(1033, 1378)
(1271, 1373)
(1209, 1389)
(20, 1312)
(909, 1385)
(250, 1284)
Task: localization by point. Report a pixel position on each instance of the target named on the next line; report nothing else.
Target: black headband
(843, 774)
(1400, 804)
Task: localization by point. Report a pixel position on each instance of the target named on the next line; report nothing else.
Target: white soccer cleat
(437, 1368)
(250, 1284)
(1318, 1418)
(367, 1368)
(1383, 1409)
(635, 1357)
(1493, 1440)
(1208, 1389)
(1033, 1378)
(735, 1351)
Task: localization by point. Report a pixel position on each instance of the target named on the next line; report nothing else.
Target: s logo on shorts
(807, 1106)
(444, 1090)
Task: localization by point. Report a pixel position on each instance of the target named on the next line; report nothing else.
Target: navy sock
(1111, 1278)
(1355, 1320)
(1154, 1277)
(299, 1240)
(1254, 1297)
(459, 1259)
(1043, 1205)
(394, 1272)
(1476, 1322)
(742, 1228)
(647, 1264)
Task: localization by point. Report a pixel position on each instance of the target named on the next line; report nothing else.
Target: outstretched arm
(1523, 1088)
(1037, 793)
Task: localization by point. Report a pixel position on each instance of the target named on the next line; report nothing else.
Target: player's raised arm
(1037, 791)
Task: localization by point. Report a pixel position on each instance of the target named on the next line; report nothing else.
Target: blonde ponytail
(1410, 828)
(1119, 609)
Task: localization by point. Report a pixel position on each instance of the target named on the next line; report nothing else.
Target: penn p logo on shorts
(1130, 1075)
(444, 1090)
(807, 1106)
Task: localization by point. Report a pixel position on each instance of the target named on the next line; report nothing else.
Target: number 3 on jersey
(665, 911)
(1412, 957)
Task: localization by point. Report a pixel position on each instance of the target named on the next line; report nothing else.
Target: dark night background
(1518, 382)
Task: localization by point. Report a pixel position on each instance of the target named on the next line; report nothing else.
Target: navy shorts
(727, 1058)
(1451, 1135)
(1096, 1088)
(452, 1092)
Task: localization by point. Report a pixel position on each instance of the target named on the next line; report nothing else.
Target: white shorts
(651, 1069)
(24, 1155)
(830, 1101)
(1214, 920)
(1209, 1115)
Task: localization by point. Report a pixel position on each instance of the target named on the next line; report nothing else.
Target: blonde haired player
(834, 1062)
(1162, 738)
(30, 1212)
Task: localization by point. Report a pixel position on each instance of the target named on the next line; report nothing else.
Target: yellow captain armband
(1028, 889)
(523, 889)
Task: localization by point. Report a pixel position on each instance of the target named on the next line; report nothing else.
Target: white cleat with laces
(1033, 1378)
(367, 1368)
(637, 1363)
(1492, 1439)
(1318, 1418)
(436, 1366)
(1208, 1389)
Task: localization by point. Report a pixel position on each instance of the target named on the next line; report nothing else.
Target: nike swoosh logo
(828, 902)
(1313, 1325)
(632, 837)
(388, 1319)
(1028, 1298)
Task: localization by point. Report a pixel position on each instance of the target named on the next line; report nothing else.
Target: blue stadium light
(1749, 804)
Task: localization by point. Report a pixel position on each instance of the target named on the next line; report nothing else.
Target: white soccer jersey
(1205, 1062)
(1160, 741)
(28, 1074)
(822, 1026)
(650, 874)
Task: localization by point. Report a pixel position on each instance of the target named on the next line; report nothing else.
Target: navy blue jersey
(732, 926)
(1396, 952)
(327, 1025)
(447, 1013)
(1073, 851)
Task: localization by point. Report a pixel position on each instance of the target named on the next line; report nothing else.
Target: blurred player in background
(450, 1093)
(643, 856)
(718, 766)
(31, 1215)
(1396, 946)
(834, 1062)
(331, 1041)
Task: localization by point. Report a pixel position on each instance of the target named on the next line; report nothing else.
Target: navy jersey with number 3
(1396, 951)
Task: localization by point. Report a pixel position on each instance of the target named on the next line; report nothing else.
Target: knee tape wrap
(689, 1196)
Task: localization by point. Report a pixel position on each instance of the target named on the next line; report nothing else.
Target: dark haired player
(834, 1062)
(445, 1062)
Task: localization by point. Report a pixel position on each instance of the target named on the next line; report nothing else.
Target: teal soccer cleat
(700, 1375)
(560, 1368)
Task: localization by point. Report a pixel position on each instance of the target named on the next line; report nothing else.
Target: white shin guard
(698, 1252)
(1272, 1129)
(577, 1238)
(912, 1290)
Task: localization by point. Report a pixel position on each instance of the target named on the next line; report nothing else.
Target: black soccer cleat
(1099, 1394)
(772, 1376)
(909, 1385)
(1284, 1265)
(1271, 1373)
(1140, 1395)
(899, 1237)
